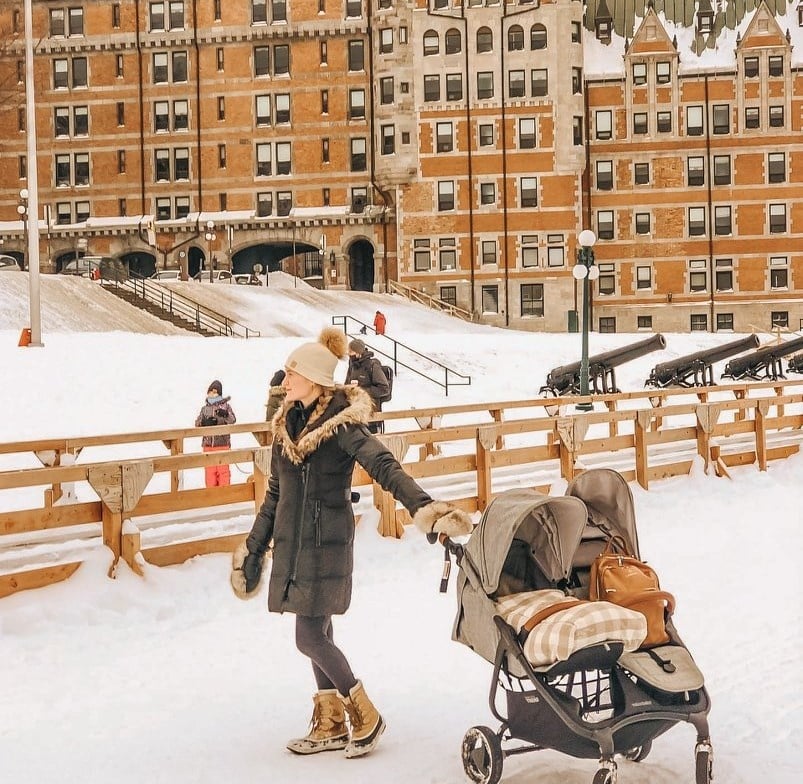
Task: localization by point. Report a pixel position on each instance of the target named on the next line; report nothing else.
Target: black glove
(252, 570)
(221, 412)
(246, 571)
(208, 421)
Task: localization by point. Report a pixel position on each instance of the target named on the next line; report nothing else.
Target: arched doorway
(140, 264)
(64, 258)
(195, 261)
(361, 266)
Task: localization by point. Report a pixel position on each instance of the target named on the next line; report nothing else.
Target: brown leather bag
(624, 580)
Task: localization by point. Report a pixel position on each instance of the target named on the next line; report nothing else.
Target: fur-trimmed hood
(344, 405)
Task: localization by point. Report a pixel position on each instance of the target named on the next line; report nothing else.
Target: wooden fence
(482, 450)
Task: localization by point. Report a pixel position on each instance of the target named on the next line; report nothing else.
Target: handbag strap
(546, 612)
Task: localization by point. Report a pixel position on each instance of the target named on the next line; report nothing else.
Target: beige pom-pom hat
(318, 361)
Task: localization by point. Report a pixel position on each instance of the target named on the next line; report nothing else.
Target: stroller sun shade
(550, 526)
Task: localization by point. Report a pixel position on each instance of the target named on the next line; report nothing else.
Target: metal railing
(394, 287)
(183, 307)
(450, 377)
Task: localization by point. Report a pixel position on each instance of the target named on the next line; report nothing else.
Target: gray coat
(213, 414)
(307, 509)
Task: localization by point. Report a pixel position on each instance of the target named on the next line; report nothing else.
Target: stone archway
(140, 263)
(195, 261)
(361, 266)
(62, 259)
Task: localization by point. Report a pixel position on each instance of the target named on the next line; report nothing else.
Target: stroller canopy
(551, 526)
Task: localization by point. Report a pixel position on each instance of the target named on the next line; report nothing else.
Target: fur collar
(345, 405)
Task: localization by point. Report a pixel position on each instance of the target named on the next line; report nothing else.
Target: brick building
(457, 147)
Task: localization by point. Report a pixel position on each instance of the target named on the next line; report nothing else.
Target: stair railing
(394, 287)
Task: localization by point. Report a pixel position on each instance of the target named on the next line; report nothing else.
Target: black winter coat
(307, 509)
(367, 371)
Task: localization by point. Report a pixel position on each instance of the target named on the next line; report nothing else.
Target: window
(639, 73)
(750, 67)
(183, 206)
(388, 133)
(447, 254)
(120, 113)
(325, 150)
(81, 168)
(725, 321)
(722, 221)
(777, 218)
(555, 252)
(356, 56)
(449, 295)
(70, 73)
(485, 84)
(694, 120)
(81, 211)
(57, 25)
(262, 111)
(61, 121)
(577, 81)
(644, 322)
(516, 84)
(357, 104)
(488, 252)
(444, 136)
(323, 53)
(178, 64)
(453, 43)
(663, 72)
(529, 250)
(527, 139)
(779, 272)
(62, 170)
(216, 10)
(532, 299)
(723, 274)
(538, 37)
(577, 131)
(485, 40)
(164, 208)
(353, 8)
(221, 107)
(605, 224)
(490, 299)
(721, 118)
(63, 213)
(486, 135)
(528, 192)
(284, 203)
(698, 322)
(432, 87)
(641, 173)
(607, 324)
(775, 65)
(324, 101)
(161, 165)
(445, 195)
(281, 60)
(119, 66)
(604, 175)
(283, 157)
(264, 204)
(722, 170)
(698, 276)
(116, 15)
(358, 155)
(752, 118)
(663, 121)
(606, 283)
(696, 221)
(642, 223)
(221, 156)
(776, 117)
(386, 93)
(421, 256)
(539, 82)
(487, 193)
(603, 123)
(643, 277)
(264, 160)
(779, 318)
(121, 161)
(515, 38)
(576, 33)
(639, 123)
(220, 58)
(776, 167)
(695, 170)
(454, 87)
(386, 40)
(282, 108)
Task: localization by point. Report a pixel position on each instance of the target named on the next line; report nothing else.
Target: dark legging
(315, 639)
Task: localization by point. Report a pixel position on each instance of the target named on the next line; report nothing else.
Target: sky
(171, 678)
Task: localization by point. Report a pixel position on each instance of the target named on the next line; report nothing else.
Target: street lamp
(210, 237)
(22, 211)
(585, 270)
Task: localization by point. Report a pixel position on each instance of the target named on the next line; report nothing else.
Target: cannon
(795, 364)
(766, 361)
(695, 370)
(565, 379)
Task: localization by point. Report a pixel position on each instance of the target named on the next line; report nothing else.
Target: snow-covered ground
(170, 678)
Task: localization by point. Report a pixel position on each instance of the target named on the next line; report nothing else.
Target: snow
(170, 678)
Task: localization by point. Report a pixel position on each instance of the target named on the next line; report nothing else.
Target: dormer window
(604, 31)
(705, 21)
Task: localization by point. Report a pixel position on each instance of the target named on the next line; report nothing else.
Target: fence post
(762, 409)
(707, 417)
(485, 440)
(384, 501)
(262, 460)
(571, 431)
(642, 424)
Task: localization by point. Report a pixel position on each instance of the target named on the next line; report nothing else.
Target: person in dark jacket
(366, 372)
(307, 521)
(276, 395)
(216, 411)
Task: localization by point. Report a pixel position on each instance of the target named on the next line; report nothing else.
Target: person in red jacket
(379, 322)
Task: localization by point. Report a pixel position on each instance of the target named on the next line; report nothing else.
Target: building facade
(457, 146)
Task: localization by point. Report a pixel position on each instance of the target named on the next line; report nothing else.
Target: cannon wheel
(482, 755)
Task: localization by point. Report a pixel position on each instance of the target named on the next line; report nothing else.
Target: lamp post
(210, 237)
(22, 211)
(586, 271)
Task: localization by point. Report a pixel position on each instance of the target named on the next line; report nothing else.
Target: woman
(319, 434)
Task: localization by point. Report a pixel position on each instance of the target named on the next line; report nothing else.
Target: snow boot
(328, 730)
(366, 724)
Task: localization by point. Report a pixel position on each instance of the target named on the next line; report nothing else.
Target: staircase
(168, 305)
(422, 298)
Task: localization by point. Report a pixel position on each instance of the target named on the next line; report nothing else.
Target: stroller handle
(450, 548)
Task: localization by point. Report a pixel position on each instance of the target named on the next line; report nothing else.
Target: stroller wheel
(482, 755)
(606, 774)
(704, 763)
(639, 753)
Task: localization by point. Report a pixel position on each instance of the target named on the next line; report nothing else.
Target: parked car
(247, 279)
(167, 275)
(218, 276)
(9, 264)
(96, 267)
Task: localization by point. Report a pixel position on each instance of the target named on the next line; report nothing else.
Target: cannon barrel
(566, 378)
(796, 364)
(677, 371)
(762, 359)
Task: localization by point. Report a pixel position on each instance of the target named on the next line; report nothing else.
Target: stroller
(602, 700)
